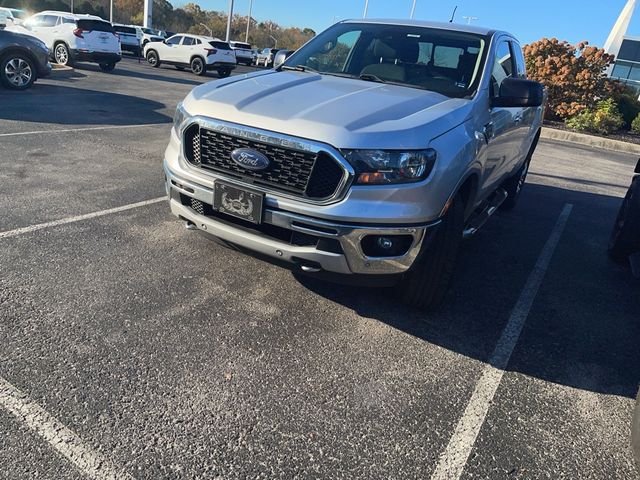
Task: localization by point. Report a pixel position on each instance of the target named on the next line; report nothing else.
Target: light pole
(413, 9)
(470, 19)
(111, 11)
(210, 31)
(366, 7)
(229, 20)
(71, 5)
(275, 40)
(246, 37)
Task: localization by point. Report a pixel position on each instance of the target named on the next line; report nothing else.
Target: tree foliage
(188, 19)
(574, 75)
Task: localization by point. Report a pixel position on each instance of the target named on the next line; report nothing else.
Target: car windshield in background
(20, 14)
(220, 45)
(95, 26)
(442, 61)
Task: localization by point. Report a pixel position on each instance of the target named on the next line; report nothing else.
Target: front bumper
(347, 258)
(95, 57)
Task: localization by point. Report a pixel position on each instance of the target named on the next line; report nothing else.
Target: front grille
(311, 175)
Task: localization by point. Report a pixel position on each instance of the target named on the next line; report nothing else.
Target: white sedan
(197, 52)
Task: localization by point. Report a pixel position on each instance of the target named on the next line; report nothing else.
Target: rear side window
(188, 41)
(48, 21)
(67, 20)
(95, 26)
(127, 30)
(220, 45)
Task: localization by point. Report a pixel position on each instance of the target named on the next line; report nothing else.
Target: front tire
(153, 59)
(197, 66)
(17, 71)
(625, 237)
(107, 67)
(426, 284)
(224, 72)
(62, 55)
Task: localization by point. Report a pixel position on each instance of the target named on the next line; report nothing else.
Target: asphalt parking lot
(133, 347)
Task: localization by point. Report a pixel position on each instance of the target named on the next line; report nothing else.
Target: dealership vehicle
(196, 52)
(148, 35)
(266, 57)
(370, 153)
(243, 52)
(14, 15)
(77, 38)
(129, 41)
(23, 59)
(625, 237)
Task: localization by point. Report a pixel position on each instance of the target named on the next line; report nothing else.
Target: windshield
(148, 31)
(443, 61)
(21, 14)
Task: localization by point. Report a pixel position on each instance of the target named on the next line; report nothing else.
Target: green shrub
(605, 119)
(629, 107)
(635, 125)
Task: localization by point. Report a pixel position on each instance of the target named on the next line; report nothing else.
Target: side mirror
(281, 56)
(519, 92)
(3, 19)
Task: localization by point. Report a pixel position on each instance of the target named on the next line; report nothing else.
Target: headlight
(179, 117)
(391, 166)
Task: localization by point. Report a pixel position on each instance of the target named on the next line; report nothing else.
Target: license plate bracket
(238, 202)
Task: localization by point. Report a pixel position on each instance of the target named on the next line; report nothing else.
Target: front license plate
(238, 202)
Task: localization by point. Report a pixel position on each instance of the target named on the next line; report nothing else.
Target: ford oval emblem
(250, 159)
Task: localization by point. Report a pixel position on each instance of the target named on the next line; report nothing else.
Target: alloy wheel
(61, 54)
(18, 72)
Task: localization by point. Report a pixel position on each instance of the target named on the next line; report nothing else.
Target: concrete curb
(62, 71)
(589, 140)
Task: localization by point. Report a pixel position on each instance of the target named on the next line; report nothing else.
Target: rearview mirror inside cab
(519, 92)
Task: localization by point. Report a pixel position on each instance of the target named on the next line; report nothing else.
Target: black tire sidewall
(62, 45)
(201, 62)
(625, 236)
(152, 54)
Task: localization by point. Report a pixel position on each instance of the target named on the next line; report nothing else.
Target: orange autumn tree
(574, 75)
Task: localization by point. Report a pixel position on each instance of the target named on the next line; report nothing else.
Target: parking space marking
(82, 129)
(78, 218)
(453, 460)
(59, 437)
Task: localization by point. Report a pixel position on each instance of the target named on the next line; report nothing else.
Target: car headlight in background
(179, 118)
(391, 166)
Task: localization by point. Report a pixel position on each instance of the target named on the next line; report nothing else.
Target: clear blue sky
(572, 20)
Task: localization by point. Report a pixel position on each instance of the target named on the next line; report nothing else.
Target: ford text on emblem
(250, 159)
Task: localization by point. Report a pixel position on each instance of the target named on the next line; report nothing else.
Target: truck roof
(456, 27)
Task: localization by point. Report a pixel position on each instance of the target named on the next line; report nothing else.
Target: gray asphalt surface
(174, 357)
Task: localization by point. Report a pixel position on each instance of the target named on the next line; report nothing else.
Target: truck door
(504, 129)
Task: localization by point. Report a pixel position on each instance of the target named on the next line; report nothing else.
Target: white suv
(196, 52)
(243, 52)
(76, 38)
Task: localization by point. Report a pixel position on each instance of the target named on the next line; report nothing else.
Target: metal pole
(246, 37)
(111, 11)
(148, 14)
(71, 6)
(366, 7)
(413, 9)
(229, 20)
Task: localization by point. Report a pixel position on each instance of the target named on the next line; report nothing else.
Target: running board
(477, 220)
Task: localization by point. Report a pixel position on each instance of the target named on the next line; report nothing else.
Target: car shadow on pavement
(584, 328)
(121, 72)
(63, 105)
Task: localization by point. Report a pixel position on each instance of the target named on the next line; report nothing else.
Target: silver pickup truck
(368, 155)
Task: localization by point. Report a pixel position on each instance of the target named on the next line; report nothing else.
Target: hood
(343, 112)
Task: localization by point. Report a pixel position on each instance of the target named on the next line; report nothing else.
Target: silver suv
(370, 153)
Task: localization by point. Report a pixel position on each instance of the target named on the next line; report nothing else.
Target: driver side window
(174, 40)
(503, 67)
(336, 53)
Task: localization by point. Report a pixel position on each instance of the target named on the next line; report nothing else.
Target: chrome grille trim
(278, 140)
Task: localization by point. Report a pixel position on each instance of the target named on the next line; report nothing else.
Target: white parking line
(59, 437)
(82, 129)
(453, 460)
(78, 218)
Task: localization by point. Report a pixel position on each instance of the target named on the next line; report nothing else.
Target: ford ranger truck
(366, 156)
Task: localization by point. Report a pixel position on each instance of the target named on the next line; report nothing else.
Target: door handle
(488, 131)
(517, 119)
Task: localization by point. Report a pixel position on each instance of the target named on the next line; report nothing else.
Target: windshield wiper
(298, 68)
(371, 78)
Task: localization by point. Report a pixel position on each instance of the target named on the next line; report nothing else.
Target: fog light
(385, 243)
(386, 246)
